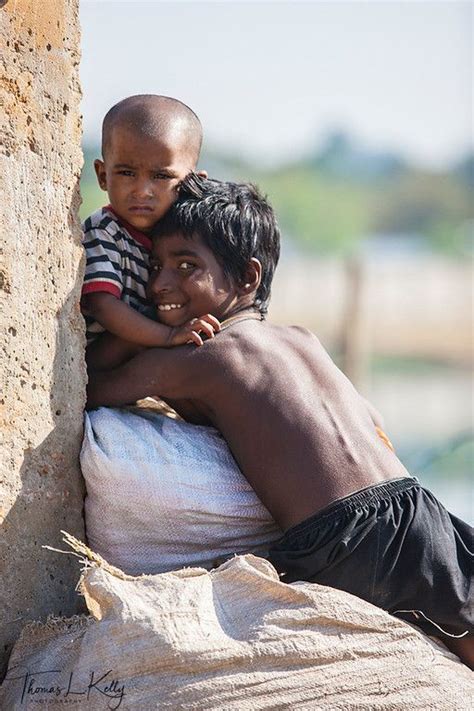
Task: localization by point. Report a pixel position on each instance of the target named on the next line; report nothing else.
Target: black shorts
(393, 545)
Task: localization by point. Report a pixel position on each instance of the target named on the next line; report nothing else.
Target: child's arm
(122, 320)
(107, 352)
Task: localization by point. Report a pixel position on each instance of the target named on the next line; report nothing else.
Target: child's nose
(143, 188)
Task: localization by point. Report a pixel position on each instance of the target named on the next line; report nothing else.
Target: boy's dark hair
(234, 220)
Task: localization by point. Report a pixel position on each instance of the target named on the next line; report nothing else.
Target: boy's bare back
(298, 429)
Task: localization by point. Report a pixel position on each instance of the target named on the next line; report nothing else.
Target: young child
(149, 144)
(353, 517)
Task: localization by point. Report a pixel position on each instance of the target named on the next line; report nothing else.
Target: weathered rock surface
(41, 329)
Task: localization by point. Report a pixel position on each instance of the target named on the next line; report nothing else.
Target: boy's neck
(141, 237)
(245, 314)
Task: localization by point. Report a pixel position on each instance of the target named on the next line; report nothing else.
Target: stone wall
(41, 329)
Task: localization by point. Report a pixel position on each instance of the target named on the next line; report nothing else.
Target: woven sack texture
(162, 493)
(234, 638)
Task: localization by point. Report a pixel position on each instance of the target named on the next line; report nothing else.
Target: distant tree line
(340, 195)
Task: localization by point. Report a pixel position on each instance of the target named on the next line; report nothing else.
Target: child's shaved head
(155, 116)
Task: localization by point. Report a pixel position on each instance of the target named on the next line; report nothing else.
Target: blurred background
(356, 119)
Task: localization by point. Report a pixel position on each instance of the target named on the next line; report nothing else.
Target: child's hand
(189, 332)
(384, 438)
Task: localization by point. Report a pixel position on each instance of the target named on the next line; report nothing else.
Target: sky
(270, 79)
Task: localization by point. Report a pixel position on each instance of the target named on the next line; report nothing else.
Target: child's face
(186, 281)
(141, 176)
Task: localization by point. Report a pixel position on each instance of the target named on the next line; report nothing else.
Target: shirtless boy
(353, 517)
(149, 143)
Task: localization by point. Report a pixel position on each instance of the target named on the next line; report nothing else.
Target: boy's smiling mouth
(168, 307)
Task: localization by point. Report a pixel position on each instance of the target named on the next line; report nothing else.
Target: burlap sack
(163, 493)
(235, 638)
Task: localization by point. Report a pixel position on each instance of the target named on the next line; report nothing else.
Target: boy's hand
(384, 438)
(189, 332)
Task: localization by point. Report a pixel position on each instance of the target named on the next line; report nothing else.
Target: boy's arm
(122, 320)
(108, 351)
(174, 374)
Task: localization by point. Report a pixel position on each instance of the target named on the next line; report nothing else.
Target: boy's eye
(186, 266)
(126, 172)
(155, 267)
(161, 176)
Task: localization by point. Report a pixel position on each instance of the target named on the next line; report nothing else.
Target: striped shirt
(117, 262)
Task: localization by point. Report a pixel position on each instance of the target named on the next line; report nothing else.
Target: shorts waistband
(367, 495)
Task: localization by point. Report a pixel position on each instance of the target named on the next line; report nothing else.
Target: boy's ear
(252, 277)
(99, 167)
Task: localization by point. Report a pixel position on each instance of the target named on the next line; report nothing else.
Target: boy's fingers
(202, 326)
(207, 318)
(384, 438)
(195, 338)
(207, 324)
(215, 323)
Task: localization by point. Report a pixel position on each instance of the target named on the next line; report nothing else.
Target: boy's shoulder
(251, 341)
(263, 344)
(102, 219)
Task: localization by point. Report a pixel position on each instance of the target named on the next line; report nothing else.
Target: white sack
(235, 639)
(162, 494)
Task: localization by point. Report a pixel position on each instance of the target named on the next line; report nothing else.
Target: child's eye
(161, 176)
(155, 267)
(186, 266)
(128, 173)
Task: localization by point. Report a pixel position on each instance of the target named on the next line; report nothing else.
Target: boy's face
(186, 281)
(141, 176)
